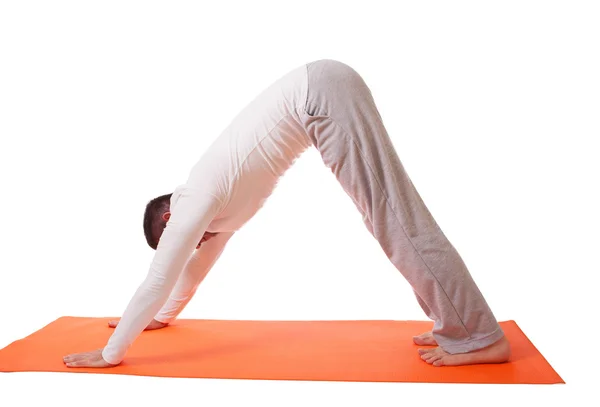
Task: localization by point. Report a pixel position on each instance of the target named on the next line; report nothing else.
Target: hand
(207, 236)
(154, 324)
(87, 359)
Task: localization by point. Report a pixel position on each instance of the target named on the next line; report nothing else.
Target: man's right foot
(425, 339)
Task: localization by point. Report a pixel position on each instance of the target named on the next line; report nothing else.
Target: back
(244, 164)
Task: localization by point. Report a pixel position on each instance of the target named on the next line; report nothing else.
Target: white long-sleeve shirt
(225, 188)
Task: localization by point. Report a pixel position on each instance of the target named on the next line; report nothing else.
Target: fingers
(77, 360)
(87, 363)
(75, 357)
(154, 324)
(79, 363)
(86, 359)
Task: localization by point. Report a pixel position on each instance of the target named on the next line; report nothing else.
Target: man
(325, 104)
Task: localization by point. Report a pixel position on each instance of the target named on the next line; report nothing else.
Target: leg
(345, 126)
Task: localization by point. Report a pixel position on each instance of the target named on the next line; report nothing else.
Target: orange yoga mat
(373, 351)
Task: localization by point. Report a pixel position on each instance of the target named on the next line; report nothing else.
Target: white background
(493, 109)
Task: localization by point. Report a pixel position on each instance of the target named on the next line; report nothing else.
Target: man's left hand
(87, 359)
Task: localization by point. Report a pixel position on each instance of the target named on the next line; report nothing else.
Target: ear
(166, 216)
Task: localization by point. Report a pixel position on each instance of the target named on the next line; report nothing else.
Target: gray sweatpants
(345, 126)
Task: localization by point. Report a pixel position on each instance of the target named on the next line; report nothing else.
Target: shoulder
(196, 194)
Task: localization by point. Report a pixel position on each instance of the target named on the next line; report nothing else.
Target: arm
(193, 274)
(191, 213)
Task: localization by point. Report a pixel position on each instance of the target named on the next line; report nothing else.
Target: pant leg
(346, 128)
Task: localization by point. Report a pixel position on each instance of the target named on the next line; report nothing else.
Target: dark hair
(153, 224)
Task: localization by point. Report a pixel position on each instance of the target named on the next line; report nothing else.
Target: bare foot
(425, 339)
(498, 352)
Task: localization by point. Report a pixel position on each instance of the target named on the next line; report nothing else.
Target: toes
(427, 356)
(434, 359)
(417, 340)
(425, 339)
(428, 353)
(434, 356)
(423, 351)
(68, 358)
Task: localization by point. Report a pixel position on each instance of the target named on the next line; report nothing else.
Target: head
(157, 215)
(155, 218)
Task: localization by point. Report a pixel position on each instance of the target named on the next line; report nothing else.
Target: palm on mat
(94, 358)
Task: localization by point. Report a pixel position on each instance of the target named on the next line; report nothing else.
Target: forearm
(147, 300)
(188, 222)
(196, 269)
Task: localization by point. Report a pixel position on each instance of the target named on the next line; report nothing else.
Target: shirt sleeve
(191, 212)
(193, 274)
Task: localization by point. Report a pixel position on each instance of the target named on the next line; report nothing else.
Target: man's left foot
(498, 352)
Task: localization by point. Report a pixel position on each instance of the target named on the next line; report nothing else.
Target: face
(207, 235)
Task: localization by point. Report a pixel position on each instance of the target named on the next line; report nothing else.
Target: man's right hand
(152, 325)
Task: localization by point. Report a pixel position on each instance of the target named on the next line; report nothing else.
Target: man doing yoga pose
(325, 104)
